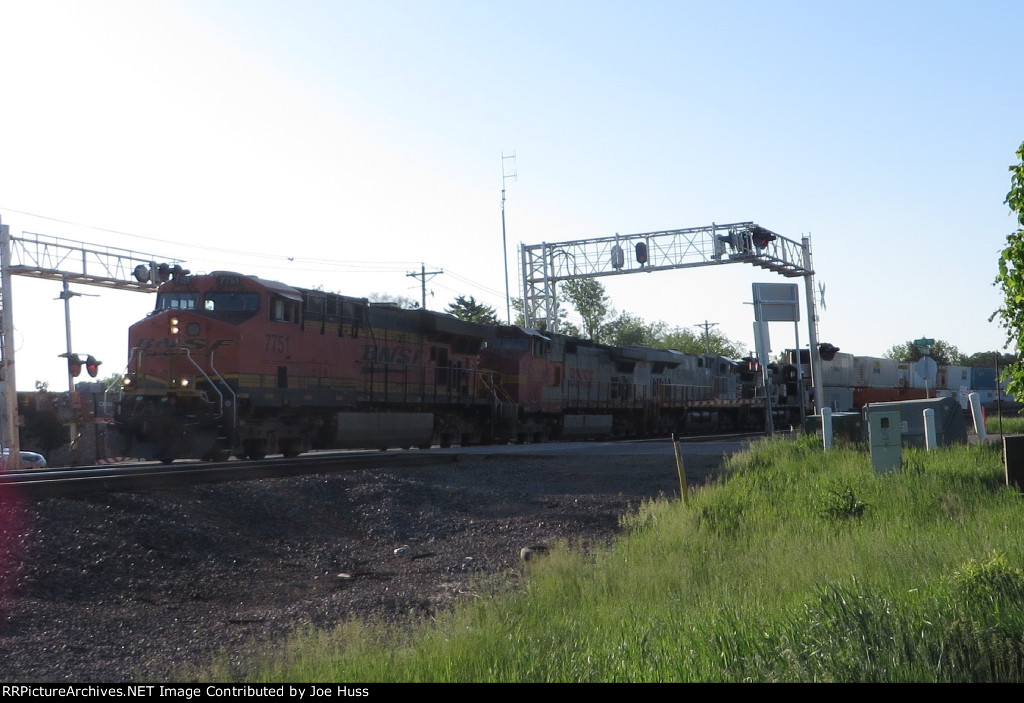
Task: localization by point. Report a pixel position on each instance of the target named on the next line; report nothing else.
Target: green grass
(800, 565)
(1011, 424)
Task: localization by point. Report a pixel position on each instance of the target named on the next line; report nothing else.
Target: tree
(690, 342)
(520, 309)
(989, 360)
(470, 310)
(631, 330)
(942, 351)
(564, 327)
(1011, 278)
(588, 297)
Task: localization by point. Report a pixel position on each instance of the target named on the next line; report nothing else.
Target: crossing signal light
(618, 259)
(762, 237)
(827, 352)
(74, 365)
(158, 273)
(91, 366)
(641, 253)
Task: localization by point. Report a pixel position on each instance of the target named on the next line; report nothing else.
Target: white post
(979, 417)
(826, 427)
(929, 429)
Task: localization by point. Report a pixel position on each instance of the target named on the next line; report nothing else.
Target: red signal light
(74, 365)
(641, 253)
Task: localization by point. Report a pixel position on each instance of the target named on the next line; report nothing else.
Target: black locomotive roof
(281, 289)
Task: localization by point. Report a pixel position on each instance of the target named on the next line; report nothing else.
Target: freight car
(229, 364)
(850, 382)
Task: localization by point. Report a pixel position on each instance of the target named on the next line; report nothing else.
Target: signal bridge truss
(544, 265)
(54, 258)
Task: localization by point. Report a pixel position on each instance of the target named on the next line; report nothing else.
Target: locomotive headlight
(174, 325)
(183, 383)
(126, 381)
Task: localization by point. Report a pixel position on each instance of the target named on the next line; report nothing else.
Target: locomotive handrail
(496, 389)
(188, 355)
(138, 364)
(234, 396)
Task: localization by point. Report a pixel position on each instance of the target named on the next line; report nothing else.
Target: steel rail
(49, 483)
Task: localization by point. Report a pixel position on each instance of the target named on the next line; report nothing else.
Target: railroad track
(49, 483)
(57, 482)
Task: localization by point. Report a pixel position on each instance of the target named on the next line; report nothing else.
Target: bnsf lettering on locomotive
(587, 375)
(155, 343)
(392, 355)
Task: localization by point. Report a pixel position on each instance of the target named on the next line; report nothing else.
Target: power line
(393, 266)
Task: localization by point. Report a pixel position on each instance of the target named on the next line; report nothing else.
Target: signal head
(92, 366)
(641, 253)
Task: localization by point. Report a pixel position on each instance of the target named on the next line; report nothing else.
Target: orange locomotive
(229, 364)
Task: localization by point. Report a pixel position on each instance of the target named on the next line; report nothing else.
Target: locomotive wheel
(256, 449)
(290, 448)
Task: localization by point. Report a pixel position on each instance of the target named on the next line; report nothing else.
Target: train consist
(234, 365)
(229, 364)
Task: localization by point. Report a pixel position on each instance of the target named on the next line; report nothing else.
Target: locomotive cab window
(231, 301)
(283, 310)
(176, 301)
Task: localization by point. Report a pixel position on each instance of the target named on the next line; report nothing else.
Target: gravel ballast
(151, 586)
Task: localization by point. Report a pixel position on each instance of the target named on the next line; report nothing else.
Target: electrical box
(949, 419)
(1013, 453)
(885, 437)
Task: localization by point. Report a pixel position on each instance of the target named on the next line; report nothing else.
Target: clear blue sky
(341, 144)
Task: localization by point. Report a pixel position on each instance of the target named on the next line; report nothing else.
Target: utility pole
(66, 295)
(10, 431)
(422, 275)
(504, 243)
(707, 334)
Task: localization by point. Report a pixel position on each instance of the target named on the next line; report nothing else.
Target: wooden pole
(683, 489)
